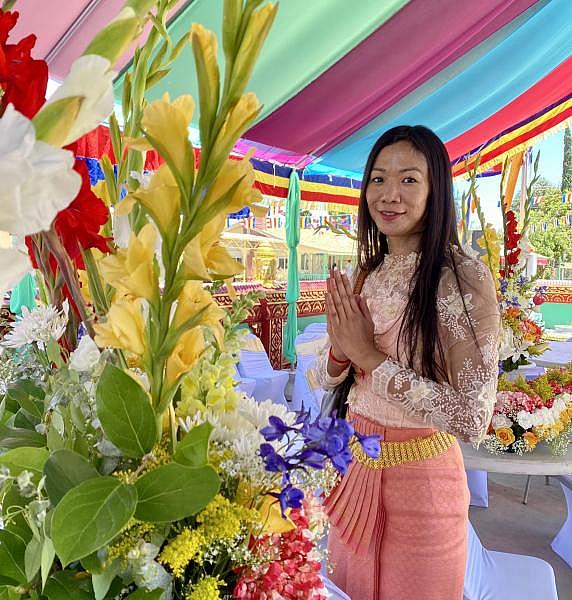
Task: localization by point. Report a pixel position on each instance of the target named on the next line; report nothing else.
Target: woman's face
(398, 190)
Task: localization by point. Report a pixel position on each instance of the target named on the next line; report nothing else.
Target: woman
(422, 338)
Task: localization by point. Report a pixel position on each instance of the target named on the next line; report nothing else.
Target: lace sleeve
(464, 406)
(325, 380)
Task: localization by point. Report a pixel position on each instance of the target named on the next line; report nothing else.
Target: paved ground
(510, 526)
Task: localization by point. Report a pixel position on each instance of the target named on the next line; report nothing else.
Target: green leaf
(29, 396)
(47, 559)
(102, 581)
(32, 558)
(112, 41)
(90, 516)
(12, 551)
(64, 470)
(172, 492)
(192, 451)
(125, 413)
(55, 119)
(66, 585)
(142, 594)
(9, 592)
(15, 437)
(25, 459)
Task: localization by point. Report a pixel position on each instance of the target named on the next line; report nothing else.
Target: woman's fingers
(349, 292)
(336, 296)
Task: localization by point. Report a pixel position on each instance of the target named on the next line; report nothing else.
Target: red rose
(22, 78)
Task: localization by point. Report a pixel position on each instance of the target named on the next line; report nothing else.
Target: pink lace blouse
(397, 396)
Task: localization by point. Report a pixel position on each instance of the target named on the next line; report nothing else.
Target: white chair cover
(320, 328)
(562, 543)
(494, 575)
(478, 486)
(243, 384)
(306, 393)
(270, 384)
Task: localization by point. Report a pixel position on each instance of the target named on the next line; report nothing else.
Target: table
(558, 355)
(537, 462)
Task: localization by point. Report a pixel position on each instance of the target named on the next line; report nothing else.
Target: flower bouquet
(129, 466)
(527, 413)
(518, 295)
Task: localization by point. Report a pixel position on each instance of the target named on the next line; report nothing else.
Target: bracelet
(342, 363)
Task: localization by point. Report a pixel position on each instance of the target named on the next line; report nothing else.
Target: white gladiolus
(90, 76)
(38, 180)
(85, 356)
(13, 266)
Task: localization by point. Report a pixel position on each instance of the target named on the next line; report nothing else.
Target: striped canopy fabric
(489, 77)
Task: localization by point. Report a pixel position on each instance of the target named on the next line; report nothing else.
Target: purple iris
(276, 430)
(370, 443)
(289, 497)
(310, 446)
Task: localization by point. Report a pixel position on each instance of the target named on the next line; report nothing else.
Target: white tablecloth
(538, 462)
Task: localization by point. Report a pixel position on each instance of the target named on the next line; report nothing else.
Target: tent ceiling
(334, 74)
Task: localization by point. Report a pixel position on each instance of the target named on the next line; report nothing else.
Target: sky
(550, 167)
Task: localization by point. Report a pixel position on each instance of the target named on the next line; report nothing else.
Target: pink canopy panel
(64, 30)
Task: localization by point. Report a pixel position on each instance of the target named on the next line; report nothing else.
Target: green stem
(66, 269)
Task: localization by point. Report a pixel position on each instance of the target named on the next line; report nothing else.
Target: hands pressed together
(350, 326)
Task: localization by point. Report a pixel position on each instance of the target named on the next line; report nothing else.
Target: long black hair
(439, 237)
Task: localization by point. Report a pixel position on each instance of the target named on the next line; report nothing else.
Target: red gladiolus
(23, 79)
(78, 225)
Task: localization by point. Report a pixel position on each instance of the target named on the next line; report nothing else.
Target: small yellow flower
(530, 439)
(180, 551)
(124, 328)
(505, 435)
(206, 588)
(133, 268)
(187, 351)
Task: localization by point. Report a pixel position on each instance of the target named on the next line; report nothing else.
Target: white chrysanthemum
(40, 325)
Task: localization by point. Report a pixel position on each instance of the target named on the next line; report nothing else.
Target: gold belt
(399, 453)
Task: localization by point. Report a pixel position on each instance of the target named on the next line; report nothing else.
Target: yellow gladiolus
(187, 351)
(133, 268)
(255, 34)
(193, 299)
(239, 119)
(162, 199)
(101, 191)
(165, 124)
(205, 52)
(124, 328)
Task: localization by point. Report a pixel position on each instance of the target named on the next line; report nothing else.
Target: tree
(567, 162)
(556, 241)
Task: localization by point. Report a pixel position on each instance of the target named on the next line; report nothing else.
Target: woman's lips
(389, 215)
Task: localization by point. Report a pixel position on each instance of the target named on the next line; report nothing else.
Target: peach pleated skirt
(400, 533)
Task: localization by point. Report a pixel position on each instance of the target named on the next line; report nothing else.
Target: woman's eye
(377, 180)
(410, 180)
